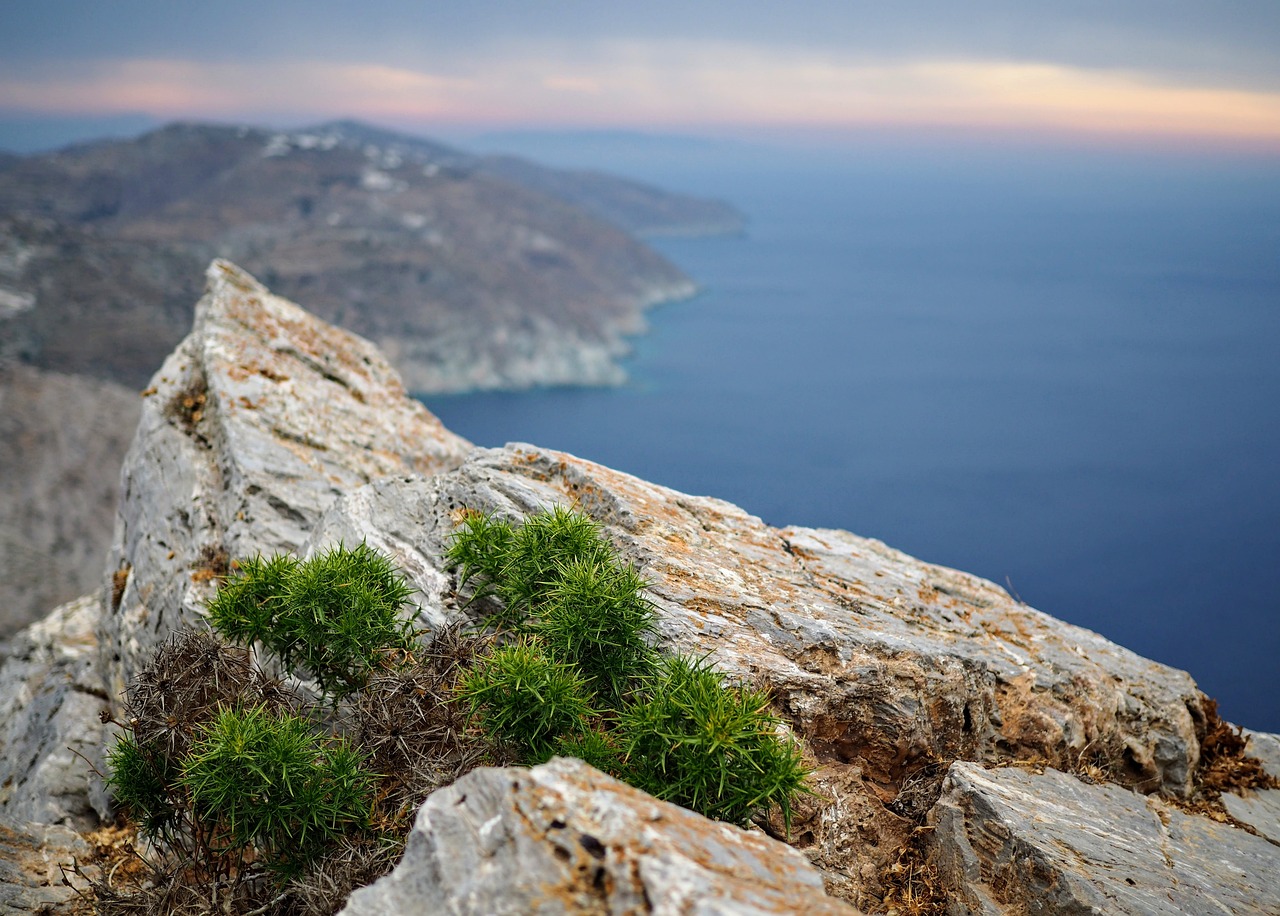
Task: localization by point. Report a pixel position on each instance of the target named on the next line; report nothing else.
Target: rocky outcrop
(1012, 762)
(62, 438)
(1008, 840)
(565, 838)
(51, 738)
(254, 425)
(889, 668)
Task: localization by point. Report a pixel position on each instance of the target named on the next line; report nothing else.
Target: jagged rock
(31, 873)
(1009, 841)
(563, 838)
(51, 693)
(888, 667)
(253, 426)
(1259, 808)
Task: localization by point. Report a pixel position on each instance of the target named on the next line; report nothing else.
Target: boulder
(1009, 841)
(563, 838)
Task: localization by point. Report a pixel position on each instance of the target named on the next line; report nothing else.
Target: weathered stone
(269, 430)
(32, 857)
(1259, 808)
(254, 425)
(885, 665)
(50, 735)
(563, 838)
(1009, 841)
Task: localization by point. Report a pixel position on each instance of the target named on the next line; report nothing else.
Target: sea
(1056, 369)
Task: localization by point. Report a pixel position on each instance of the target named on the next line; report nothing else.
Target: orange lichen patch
(212, 563)
(147, 392)
(119, 580)
(272, 375)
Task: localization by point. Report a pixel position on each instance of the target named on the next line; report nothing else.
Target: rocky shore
(970, 754)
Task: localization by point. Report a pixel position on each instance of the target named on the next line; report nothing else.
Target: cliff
(971, 754)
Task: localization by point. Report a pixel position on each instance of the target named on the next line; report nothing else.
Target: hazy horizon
(1155, 75)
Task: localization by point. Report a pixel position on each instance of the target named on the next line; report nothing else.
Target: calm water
(1060, 374)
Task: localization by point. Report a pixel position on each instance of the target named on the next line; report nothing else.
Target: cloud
(684, 83)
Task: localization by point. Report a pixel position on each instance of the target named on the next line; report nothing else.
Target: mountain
(472, 272)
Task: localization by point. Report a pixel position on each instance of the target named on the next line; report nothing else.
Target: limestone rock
(31, 875)
(1010, 841)
(50, 695)
(259, 419)
(887, 667)
(1259, 808)
(563, 838)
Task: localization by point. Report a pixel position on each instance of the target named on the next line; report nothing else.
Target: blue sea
(1057, 370)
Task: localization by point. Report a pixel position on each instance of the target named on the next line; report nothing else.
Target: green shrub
(478, 550)
(268, 782)
(335, 616)
(671, 727)
(593, 617)
(527, 700)
(245, 608)
(142, 781)
(710, 747)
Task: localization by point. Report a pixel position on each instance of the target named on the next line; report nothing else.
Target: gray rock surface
(1010, 841)
(885, 665)
(254, 425)
(563, 838)
(1259, 808)
(62, 439)
(51, 692)
(31, 873)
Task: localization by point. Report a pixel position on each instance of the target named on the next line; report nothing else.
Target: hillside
(470, 272)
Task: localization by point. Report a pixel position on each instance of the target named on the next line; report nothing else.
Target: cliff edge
(971, 754)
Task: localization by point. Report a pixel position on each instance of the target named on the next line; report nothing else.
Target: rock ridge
(1002, 760)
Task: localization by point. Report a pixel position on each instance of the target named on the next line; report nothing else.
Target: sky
(1123, 71)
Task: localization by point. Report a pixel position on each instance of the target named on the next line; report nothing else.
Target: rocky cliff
(970, 754)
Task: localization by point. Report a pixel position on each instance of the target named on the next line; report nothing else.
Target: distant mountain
(472, 272)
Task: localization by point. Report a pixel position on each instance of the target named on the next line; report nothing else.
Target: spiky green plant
(527, 700)
(711, 747)
(539, 552)
(142, 780)
(594, 617)
(336, 616)
(478, 550)
(269, 782)
(245, 608)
